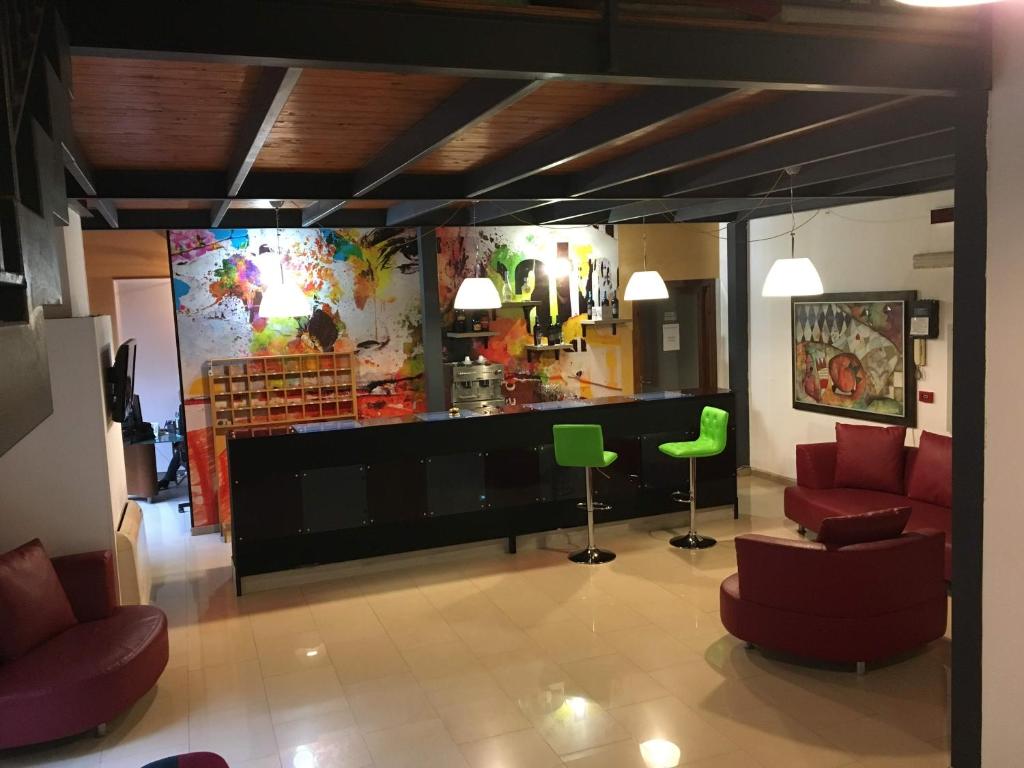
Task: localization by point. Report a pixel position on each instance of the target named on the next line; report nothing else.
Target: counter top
(506, 410)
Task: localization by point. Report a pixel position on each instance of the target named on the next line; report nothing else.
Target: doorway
(674, 340)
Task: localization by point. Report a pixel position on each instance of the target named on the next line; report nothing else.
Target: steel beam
(911, 119)
(236, 218)
(646, 110)
(794, 112)
(401, 214)
(475, 101)
(320, 209)
(513, 43)
(273, 88)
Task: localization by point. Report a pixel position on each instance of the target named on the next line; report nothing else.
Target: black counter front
(345, 490)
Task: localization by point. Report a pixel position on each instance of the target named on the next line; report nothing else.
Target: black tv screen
(122, 381)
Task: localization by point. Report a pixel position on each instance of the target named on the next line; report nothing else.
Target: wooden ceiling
(137, 114)
(403, 142)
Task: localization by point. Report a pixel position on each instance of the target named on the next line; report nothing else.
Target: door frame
(707, 341)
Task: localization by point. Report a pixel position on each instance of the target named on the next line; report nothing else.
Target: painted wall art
(544, 275)
(852, 356)
(364, 290)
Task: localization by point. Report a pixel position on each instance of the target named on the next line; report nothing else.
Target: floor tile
(327, 740)
(237, 735)
(521, 749)
(614, 681)
(227, 686)
(388, 702)
(291, 652)
(366, 660)
(671, 720)
(481, 717)
(649, 647)
(575, 724)
(424, 744)
(569, 640)
(296, 695)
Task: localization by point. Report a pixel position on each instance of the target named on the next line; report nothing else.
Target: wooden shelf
(525, 303)
(470, 334)
(539, 349)
(613, 322)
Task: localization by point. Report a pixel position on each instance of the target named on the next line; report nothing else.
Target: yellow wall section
(678, 252)
(121, 254)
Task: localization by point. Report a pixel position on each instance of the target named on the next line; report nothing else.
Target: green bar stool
(582, 445)
(713, 424)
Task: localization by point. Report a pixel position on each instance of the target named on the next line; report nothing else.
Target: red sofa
(92, 670)
(925, 474)
(844, 602)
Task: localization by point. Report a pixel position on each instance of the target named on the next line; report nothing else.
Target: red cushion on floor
(870, 457)
(876, 525)
(33, 605)
(931, 478)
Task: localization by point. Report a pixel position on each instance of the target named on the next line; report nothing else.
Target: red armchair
(816, 494)
(84, 676)
(853, 603)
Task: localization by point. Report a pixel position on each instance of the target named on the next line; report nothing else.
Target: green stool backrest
(579, 445)
(714, 423)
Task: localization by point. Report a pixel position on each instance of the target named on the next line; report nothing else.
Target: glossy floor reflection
(496, 661)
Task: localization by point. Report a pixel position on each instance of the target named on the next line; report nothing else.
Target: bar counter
(334, 491)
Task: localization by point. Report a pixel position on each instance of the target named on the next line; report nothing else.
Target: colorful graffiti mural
(364, 292)
(542, 273)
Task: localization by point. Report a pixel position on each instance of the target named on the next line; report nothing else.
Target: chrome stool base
(692, 540)
(592, 556)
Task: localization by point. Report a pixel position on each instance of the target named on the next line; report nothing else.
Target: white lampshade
(660, 753)
(477, 293)
(792, 277)
(645, 286)
(284, 299)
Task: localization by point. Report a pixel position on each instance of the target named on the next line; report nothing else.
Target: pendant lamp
(792, 276)
(477, 292)
(283, 299)
(645, 285)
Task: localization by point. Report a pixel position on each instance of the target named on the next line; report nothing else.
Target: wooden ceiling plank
(475, 101)
(912, 119)
(645, 110)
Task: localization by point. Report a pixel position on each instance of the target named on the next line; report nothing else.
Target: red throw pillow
(33, 606)
(870, 457)
(931, 478)
(868, 526)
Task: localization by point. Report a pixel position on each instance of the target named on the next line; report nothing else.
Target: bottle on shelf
(597, 311)
(460, 322)
(485, 322)
(590, 302)
(537, 333)
(615, 306)
(477, 326)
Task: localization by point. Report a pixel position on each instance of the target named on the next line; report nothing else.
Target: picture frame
(852, 356)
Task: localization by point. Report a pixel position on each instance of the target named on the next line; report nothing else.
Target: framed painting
(853, 357)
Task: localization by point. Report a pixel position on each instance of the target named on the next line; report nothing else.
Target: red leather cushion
(931, 479)
(868, 526)
(33, 606)
(870, 457)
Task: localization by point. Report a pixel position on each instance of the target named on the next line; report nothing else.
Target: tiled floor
(496, 661)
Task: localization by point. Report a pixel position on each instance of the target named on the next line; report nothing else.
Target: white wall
(1002, 608)
(64, 482)
(75, 287)
(867, 247)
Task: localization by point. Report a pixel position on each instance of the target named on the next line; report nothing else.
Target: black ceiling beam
(874, 160)
(416, 39)
(401, 214)
(475, 101)
(320, 209)
(649, 109)
(907, 120)
(489, 210)
(273, 88)
(236, 218)
(694, 212)
(930, 169)
(644, 209)
(791, 113)
(568, 210)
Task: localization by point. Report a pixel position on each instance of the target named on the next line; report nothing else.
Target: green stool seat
(582, 445)
(714, 423)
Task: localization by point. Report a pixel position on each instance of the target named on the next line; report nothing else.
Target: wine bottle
(615, 306)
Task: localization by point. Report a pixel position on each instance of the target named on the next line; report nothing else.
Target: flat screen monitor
(122, 381)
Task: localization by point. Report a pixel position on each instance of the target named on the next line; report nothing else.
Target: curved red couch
(854, 603)
(90, 673)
